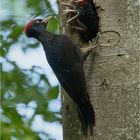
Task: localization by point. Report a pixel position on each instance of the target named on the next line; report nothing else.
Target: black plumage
(88, 17)
(66, 60)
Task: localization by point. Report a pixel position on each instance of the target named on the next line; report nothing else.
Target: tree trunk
(112, 75)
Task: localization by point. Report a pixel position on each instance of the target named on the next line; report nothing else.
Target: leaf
(53, 93)
(52, 25)
(16, 31)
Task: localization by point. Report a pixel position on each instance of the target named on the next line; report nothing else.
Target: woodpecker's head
(35, 27)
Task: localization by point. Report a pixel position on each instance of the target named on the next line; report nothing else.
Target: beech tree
(112, 74)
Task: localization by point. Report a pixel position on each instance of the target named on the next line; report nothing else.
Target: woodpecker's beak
(46, 20)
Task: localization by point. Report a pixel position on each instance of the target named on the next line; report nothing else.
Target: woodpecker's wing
(66, 61)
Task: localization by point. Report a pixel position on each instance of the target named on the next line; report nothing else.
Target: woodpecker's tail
(87, 117)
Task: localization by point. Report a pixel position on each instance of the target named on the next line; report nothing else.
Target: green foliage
(52, 25)
(22, 87)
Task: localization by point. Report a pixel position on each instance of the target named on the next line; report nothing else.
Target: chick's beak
(46, 20)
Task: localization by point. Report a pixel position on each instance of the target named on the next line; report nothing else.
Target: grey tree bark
(112, 73)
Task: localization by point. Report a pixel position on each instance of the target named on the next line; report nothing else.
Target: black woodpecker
(83, 17)
(66, 60)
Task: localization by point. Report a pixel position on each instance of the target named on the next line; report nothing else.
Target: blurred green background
(30, 105)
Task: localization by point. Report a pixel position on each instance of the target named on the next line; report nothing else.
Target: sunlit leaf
(16, 31)
(52, 25)
(53, 93)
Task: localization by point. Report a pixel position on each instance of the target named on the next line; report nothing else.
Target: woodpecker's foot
(71, 11)
(86, 51)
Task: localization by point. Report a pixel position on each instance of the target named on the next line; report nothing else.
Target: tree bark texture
(112, 74)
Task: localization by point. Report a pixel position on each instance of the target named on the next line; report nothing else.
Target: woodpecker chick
(85, 17)
(66, 60)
